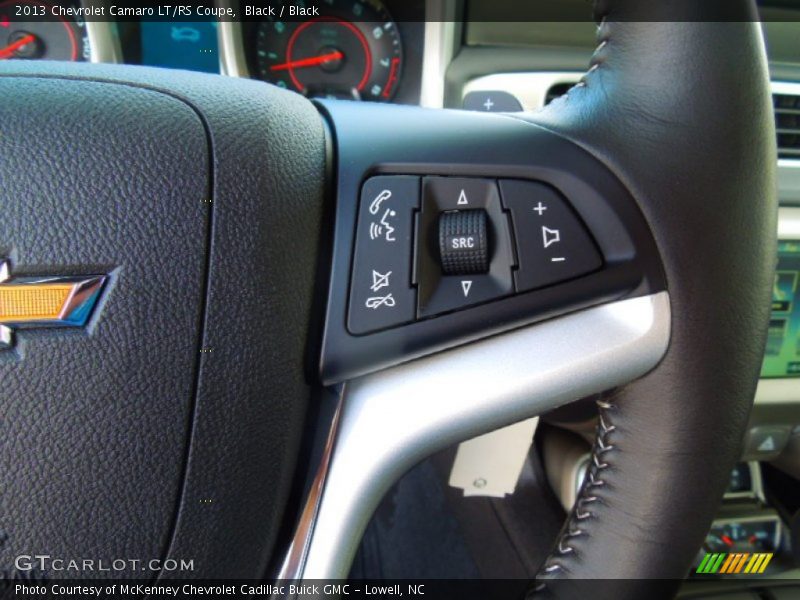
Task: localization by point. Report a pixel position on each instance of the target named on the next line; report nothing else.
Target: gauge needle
(13, 47)
(308, 62)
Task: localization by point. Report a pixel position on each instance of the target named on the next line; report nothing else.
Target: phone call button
(381, 294)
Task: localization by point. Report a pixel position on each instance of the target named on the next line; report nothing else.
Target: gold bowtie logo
(36, 302)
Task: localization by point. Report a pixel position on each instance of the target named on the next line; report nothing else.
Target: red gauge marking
(13, 47)
(348, 25)
(72, 39)
(5, 21)
(387, 91)
(728, 541)
(308, 62)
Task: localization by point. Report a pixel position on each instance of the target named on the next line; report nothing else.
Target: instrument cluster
(41, 31)
(365, 50)
(354, 53)
(358, 50)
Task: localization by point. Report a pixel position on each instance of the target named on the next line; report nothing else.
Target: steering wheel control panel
(443, 235)
(382, 294)
(430, 245)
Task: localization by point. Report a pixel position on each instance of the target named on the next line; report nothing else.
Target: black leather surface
(681, 112)
(129, 441)
(93, 425)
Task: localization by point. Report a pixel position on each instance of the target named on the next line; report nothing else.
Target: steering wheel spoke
(391, 419)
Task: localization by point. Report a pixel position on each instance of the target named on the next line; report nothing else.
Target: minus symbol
(559, 259)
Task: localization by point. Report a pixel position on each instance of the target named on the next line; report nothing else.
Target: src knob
(463, 242)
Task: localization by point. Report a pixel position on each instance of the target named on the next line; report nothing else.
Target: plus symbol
(488, 104)
(540, 208)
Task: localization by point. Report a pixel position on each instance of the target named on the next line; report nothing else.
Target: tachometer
(353, 51)
(32, 30)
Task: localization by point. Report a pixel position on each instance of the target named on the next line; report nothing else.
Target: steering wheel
(231, 222)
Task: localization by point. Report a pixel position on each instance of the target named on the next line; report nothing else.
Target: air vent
(557, 90)
(787, 123)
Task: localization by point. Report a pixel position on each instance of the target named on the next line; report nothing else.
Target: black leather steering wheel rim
(704, 177)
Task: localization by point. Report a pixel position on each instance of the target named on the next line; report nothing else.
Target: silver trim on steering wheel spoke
(391, 420)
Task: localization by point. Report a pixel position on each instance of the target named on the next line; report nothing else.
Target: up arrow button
(464, 253)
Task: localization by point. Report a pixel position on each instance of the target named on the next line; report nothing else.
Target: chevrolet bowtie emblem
(37, 302)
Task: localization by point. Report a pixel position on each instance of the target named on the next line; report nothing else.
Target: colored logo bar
(44, 302)
(732, 563)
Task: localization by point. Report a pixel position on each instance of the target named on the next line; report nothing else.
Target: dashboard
(353, 49)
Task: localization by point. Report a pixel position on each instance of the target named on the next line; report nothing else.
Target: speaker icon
(375, 231)
(550, 236)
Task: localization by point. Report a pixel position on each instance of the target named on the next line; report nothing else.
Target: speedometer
(32, 30)
(353, 51)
